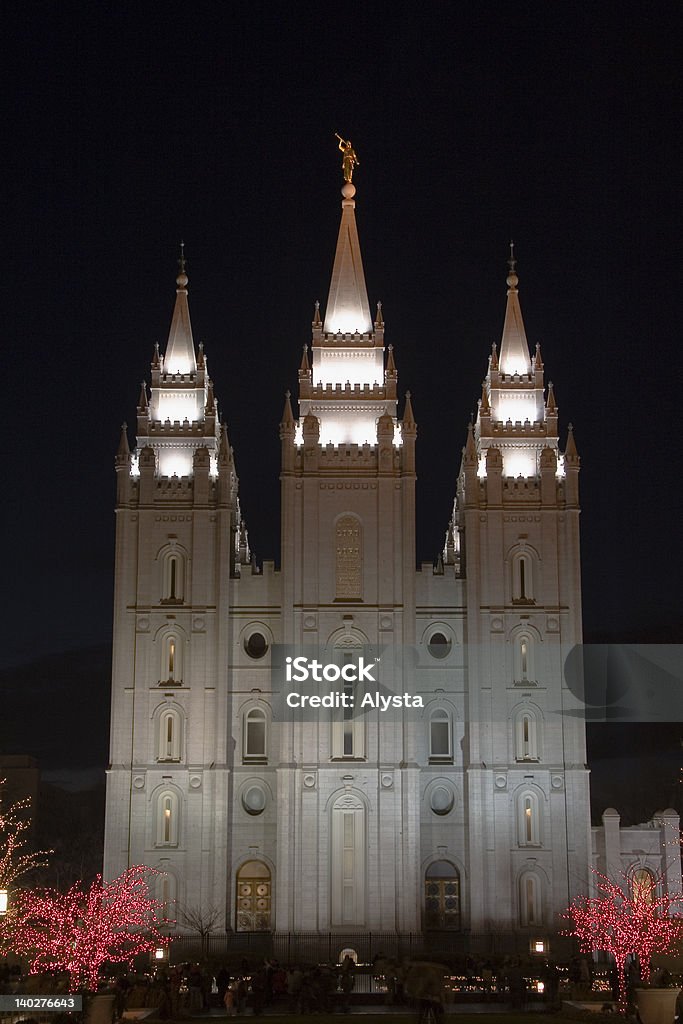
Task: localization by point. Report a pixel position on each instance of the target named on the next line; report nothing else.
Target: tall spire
(180, 355)
(348, 309)
(514, 348)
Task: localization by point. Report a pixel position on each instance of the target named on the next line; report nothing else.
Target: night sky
(129, 127)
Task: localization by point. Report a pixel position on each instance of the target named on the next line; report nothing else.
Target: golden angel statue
(349, 158)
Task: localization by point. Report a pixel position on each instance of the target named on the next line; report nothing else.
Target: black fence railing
(316, 947)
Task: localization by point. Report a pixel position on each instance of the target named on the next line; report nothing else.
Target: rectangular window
(440, 739)
(256, 739)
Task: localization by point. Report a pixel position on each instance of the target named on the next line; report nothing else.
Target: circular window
(254, 800)
(441, 800)
(256, 645)
(439, 646)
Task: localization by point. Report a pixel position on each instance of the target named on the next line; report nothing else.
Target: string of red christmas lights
(80, 930)
(630, 920)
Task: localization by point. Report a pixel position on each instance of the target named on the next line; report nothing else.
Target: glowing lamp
(159, 953)
(538, 946)
(3, 901)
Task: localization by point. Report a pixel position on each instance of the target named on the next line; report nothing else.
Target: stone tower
(348, 582)
(178, 532)
(517, 513)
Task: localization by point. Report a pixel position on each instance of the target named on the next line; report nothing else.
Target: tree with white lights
(16, 860)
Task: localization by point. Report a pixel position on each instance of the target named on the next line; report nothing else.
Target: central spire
(514, 348)
(348, 309)
(180, 354)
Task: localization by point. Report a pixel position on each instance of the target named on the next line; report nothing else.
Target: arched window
(347, 867)
(522, 579)
(530, 903)
(348, 730)
(528, 819)
(348, 558)
(171, 660)
(442, 896)
(166, 896)
(167, 819)
(526, 736)
(255, 747)
(440, 746)
(169, 735)
(524, 658)
(172, 578)
(254, 895)
(643, 885)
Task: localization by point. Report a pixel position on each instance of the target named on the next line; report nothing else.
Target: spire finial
(182, 279)
(512, 279)
(409, 423)
(123, 449)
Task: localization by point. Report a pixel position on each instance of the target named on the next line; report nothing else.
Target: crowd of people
(190, 989)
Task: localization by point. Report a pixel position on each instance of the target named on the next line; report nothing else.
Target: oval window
(254, 800)
(439, 646)
(256, 645)
(441, 800)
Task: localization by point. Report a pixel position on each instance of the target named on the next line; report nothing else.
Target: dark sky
(129, 126)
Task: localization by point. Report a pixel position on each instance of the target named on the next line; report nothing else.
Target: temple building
(467, 814)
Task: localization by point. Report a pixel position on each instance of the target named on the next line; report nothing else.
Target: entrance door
(442, 896)
(254, 891)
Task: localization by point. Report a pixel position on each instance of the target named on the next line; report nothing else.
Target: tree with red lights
(79, 930)
(633, 920)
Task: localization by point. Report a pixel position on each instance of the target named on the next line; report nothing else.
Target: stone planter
(656, 1005)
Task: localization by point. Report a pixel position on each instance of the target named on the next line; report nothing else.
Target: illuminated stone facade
(469, 814)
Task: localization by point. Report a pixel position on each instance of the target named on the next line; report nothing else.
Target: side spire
(408, 415)
(123, 451)
(287, 414)
(348, 309)
(570, 451)
(180, 354)
(514, 348)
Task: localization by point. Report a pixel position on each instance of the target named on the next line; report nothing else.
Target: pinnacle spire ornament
(514, 348)
(180, 355)
(348, 309)
(124, 449)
